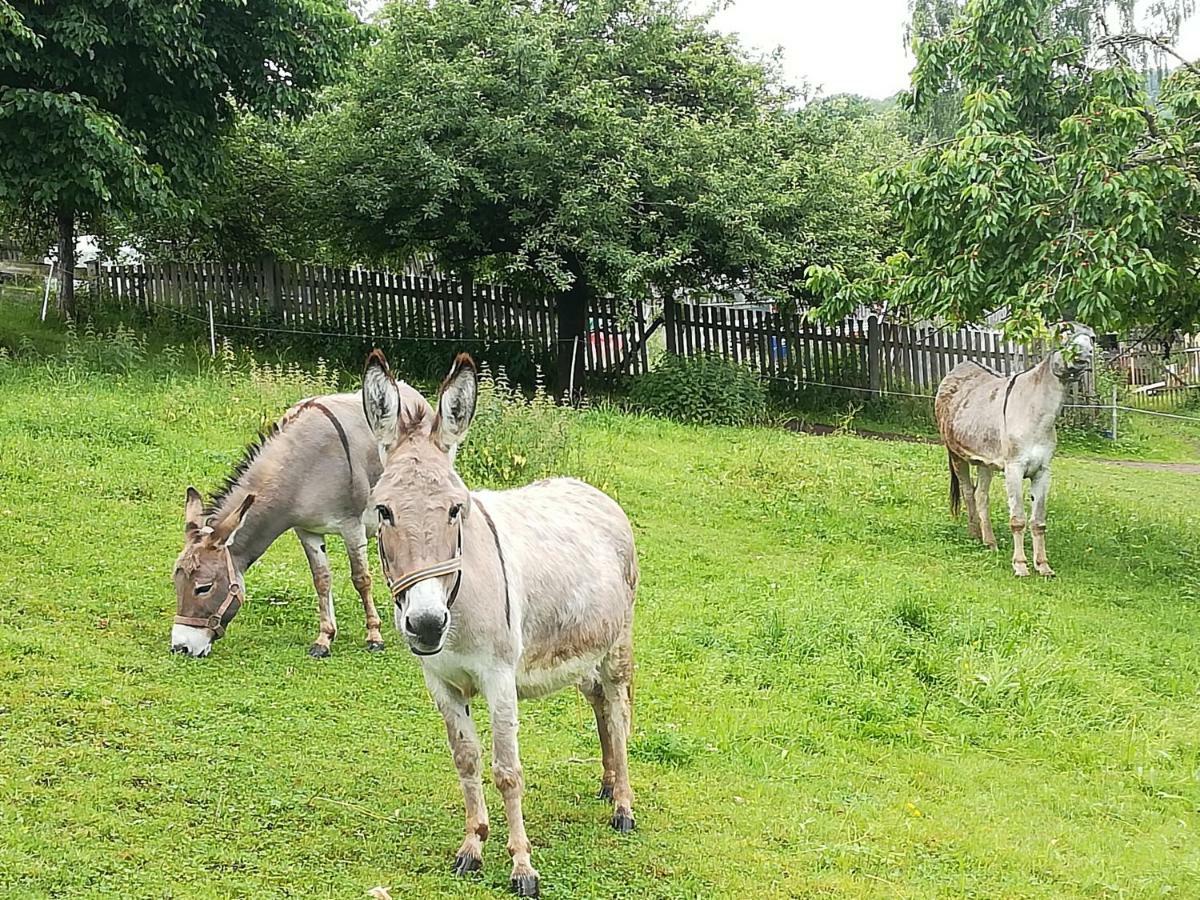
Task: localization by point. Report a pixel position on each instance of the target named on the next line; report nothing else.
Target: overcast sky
(840, 46)
(845, 46)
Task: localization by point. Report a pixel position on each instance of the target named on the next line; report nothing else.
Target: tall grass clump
(702, 390)
(515, 438)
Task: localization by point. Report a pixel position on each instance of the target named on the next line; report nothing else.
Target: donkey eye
(455, 510)
(385, 514)
(203, 588)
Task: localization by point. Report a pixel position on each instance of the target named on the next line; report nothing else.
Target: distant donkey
(312, 472)
(506, 594)
(1000, 423)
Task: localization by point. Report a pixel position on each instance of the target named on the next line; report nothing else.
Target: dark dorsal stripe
(341, 432)
(1012, 382)
(503, 569)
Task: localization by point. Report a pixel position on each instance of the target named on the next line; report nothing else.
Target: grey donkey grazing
(1007, 424)
(507, 594)
(312, 473)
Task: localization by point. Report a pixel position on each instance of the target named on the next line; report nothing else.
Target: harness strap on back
(503, 568)
(337, 426)
(1012, 382)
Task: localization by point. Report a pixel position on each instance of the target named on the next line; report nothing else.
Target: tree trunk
(572, 310)
(66, 264)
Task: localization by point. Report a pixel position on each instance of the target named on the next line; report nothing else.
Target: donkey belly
(542, 679)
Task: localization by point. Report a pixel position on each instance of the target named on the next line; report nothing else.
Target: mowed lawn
(837, 693)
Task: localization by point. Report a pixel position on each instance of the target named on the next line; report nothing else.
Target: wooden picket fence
(1158, 382)
(379, 305)
(870, 355)
(865, 355)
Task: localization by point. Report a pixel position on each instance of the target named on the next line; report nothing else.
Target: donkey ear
(193, 512)
(456, 404)
(226, 530)
(381, 398)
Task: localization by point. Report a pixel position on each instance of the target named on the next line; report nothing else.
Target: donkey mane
(253, 451)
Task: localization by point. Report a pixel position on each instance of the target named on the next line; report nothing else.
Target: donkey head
(420, 500)
(1076, 344)
(208, 586)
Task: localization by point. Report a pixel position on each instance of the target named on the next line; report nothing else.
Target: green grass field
(837, 693)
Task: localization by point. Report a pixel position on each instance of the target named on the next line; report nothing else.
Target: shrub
(707, 390)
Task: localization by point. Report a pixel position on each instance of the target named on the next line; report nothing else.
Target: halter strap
(398, 586)
(217, 620)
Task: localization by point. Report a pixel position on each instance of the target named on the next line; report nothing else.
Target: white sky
(845, 46)
(839, 46)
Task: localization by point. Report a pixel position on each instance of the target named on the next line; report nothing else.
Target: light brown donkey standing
(1006, 424)
(508, 594)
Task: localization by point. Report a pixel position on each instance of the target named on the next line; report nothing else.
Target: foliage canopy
(119, 104)
(1064, 192)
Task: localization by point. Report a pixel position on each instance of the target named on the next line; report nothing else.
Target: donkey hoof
(623, 822)
(1021, 571)
(605, 792)
(467, 862)
(318, 651)
(525, 885)
(1045, 571)
(374, 646)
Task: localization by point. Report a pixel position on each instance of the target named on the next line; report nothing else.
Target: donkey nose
(427, 627)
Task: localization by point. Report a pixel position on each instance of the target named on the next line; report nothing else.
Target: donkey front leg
(318, 563)
(360, 574)
(1014, 482)
(464, 745)
(501, 693)
(1041, 487)
(983, 487)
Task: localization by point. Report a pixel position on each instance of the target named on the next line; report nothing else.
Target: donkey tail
(955, 492)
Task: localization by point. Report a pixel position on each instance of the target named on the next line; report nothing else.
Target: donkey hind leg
(592, 688)
(983, 485)
(318, 563)
(1041, 487)
(360, 573)
(616, 682)
(500, 691)
(1014, 483)
(464, 745)
(966, 488)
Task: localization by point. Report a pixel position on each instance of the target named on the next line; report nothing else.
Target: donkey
(508, 594)
(311, 472)
(999, 423)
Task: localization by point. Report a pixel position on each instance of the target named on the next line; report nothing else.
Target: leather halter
(399, 586)
(217, 620)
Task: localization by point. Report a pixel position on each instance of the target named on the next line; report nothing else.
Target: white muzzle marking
(194, 641)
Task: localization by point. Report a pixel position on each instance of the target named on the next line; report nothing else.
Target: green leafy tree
(592, 147)
(120, 104)
(255, 204)
(1064, 192)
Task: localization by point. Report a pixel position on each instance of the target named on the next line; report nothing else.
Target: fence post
(669, 321)
(468, 306)
(874, 341)
(1114, 412)
(274, 287)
